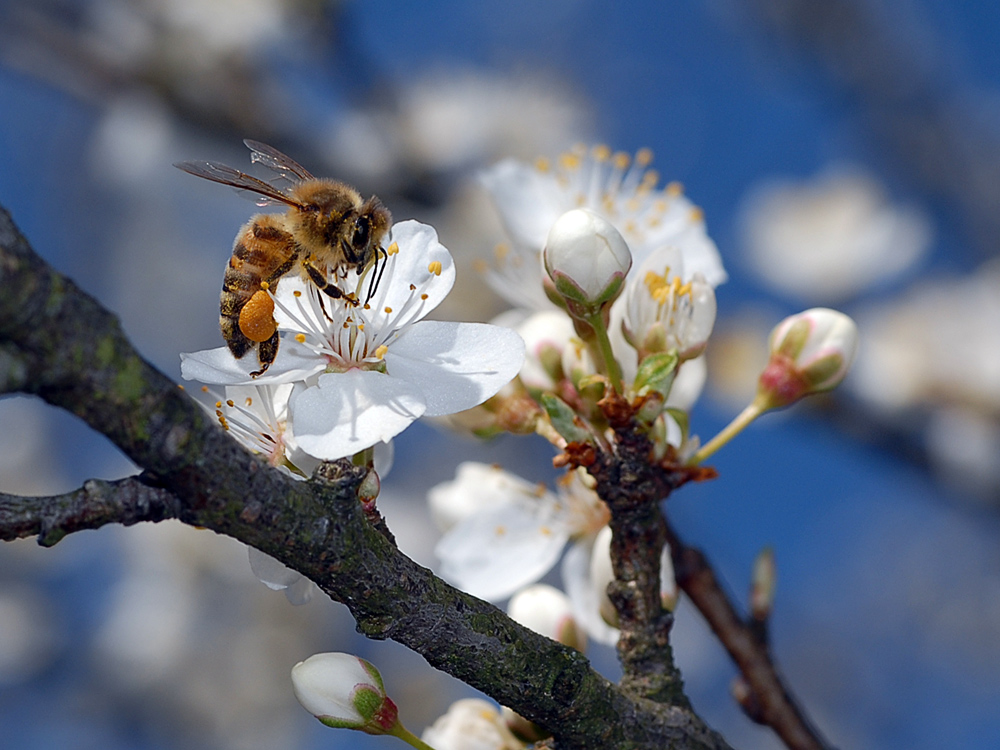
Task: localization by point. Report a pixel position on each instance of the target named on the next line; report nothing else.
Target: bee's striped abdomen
(263, 251)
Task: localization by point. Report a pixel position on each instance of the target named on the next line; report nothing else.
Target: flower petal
(493, 554)
(220, 367)
(419, 249)
(347, 412)
(582, 594)
(455, 365)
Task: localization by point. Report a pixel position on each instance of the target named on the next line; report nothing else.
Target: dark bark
(58, 343)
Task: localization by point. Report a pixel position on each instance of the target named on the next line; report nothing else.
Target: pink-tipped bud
(344, 691)
(810, 352)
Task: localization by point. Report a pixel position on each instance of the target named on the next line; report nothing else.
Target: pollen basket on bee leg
(257, 317)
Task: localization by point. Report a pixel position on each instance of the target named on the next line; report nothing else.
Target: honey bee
(328, 228)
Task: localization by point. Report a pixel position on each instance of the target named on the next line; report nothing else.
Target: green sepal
(564, 419)
(657, 373)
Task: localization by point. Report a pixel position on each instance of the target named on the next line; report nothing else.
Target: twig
(771, 700)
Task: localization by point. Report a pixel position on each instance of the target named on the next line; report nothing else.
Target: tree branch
(74, 355)
(127, 501)
(769, 701)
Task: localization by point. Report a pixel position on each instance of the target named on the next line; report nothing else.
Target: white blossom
(547, 610)
(518, 532)
(530, 199)
(832, 236)
(369, 371)
(471, 724)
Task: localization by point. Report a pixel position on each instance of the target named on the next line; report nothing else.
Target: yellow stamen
(388, 309)
(434, 267)
(601, 152)
(297, 293)
(300, 337)
(249, 401)
(500, 530)
(392, 249)
(423, 296)
(697, 214)
(643, 157)
(674, 189)
(480, 266)
(265, 286)
(380, 352)
(542, 164)
(570, 162)
(218, 404)
(229, 403)
(204, 389)
(622, 160)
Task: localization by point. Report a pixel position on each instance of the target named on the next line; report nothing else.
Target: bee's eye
(361, 232)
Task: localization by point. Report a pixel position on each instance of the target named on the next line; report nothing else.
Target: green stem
(730, 431)
(407, 736)
(604, 349)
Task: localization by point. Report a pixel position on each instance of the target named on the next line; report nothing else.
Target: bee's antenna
(377, 277)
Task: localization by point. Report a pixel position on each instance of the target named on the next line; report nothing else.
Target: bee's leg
(266, 352)
(330, 290)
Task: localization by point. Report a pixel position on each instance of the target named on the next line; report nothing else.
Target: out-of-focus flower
(257, 416)
(278, 577)
(370, 371)
(530, 199)
(811, 352)
(513, 531)
(344, 691)
(547, 610)
(763, 584)
(829, 238)
(940, 344)
(587, 259)
(471, 724)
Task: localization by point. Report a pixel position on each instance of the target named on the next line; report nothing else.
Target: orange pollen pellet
(434, 267)
(257, 317)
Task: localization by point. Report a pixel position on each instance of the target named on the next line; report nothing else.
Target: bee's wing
(281, 163)
(216, 172)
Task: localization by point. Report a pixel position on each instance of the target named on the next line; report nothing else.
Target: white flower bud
(342, 690)
(547, 610)
(471, 724)
(586, 258)
(810, 352)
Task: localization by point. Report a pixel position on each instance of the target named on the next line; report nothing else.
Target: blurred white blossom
(826, 239)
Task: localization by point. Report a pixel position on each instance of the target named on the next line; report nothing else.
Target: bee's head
(368, 229)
